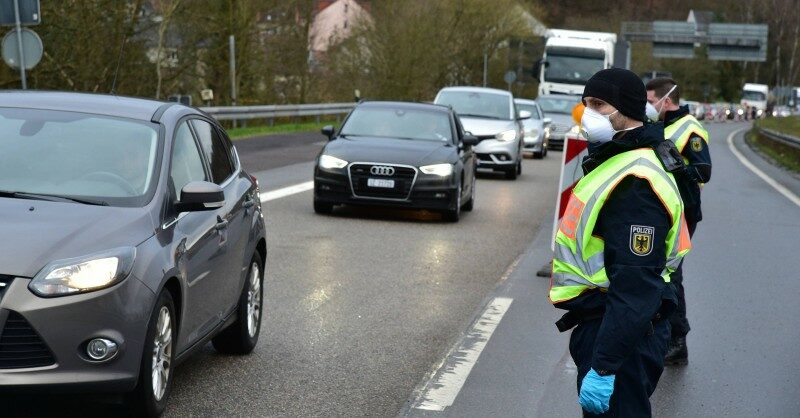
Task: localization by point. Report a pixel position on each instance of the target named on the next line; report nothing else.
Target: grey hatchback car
(131, 237)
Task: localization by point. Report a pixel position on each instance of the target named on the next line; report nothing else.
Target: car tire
(323, 208)
(511, 174)
(241, 337)
(538, 155)
(471, 202)
(149, 398)
(519, 165)
(455, 214)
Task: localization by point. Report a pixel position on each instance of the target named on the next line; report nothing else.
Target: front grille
(20, 345)
(403, 181)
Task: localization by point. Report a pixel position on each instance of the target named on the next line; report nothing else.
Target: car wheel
(241, 336)
(471, 202)
(455, 214)
(149, 398)
(544, 151)
(539, 155)
(519, 166)
(323, 208)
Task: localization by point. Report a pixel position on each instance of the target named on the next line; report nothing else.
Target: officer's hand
(596, 392)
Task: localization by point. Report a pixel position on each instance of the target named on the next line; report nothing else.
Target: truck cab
(755, 95)
(571, 58)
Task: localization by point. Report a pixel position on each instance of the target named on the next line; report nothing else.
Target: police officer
(691, 140)
(620, 237)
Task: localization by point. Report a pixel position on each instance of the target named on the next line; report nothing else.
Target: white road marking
(287, 191)
(775, 185)
(442, 389)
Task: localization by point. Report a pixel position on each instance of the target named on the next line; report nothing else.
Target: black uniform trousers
(678, 320)
(636, 380)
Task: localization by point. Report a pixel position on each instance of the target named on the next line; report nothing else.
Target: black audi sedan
(402, 154)
(131, 237)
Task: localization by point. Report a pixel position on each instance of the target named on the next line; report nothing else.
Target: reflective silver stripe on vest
(590, 267)
(569, 279)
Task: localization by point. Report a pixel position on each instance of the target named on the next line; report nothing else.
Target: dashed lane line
(286, 191)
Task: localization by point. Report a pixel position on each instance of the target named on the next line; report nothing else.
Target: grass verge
(789, 125)
(781, 154)
(253, 131)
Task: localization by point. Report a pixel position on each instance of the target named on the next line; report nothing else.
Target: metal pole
(485, 67)
(19, 47)
(232, 50)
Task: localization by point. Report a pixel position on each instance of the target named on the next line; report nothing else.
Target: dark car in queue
(401, 154)
(132, 237)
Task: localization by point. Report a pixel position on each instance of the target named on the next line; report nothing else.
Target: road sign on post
(510, 78)
(32, 49)
(29, 14)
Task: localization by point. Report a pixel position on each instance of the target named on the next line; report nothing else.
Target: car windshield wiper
(51, 198)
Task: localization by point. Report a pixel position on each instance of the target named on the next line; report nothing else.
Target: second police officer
(691, 140)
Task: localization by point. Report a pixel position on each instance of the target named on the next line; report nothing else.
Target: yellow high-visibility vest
(579, 263)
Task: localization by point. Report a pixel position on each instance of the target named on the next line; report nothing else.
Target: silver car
(491, 115)
(537, 128)
(558, 107)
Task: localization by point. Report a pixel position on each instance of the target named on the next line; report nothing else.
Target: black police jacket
(699, 167)
(636, 291)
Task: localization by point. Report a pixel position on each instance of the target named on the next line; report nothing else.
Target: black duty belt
(572, 318)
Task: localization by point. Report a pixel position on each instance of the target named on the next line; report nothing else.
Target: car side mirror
(524, 114)
(329, 131)
(547, 121)
(470, 140)
(199, 196)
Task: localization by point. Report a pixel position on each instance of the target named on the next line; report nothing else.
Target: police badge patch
(697, 144)
(642, 239)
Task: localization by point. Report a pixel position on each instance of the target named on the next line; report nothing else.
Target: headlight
(508, 135)
(442, 170)
(533, 133)
(329, 162)
(85, 274)
(575, 130)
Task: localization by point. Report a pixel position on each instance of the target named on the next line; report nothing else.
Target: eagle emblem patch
(642, 239)
(697, 144)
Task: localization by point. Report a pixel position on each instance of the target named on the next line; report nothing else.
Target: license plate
(382, 183)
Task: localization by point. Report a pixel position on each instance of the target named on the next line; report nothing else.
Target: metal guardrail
(277, 111)
(781, 137)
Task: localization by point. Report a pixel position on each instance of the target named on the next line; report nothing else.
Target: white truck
(571, 57)
(755, 95)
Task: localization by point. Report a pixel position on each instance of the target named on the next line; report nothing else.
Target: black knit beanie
(620, 88)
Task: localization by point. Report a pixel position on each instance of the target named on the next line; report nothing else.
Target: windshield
(571, 69)
(77, 155)
(398, 123)
(473, 103)
(754, 95)
(529, 108)
(558, 105)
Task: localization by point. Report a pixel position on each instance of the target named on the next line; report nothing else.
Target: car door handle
(221, 223)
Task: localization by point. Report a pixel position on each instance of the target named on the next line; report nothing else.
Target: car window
(388, 122)
(477, 104)
(78, 155)
(187, 164)
(215, 149)
(529, 108)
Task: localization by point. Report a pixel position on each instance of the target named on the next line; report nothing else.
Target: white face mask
(652, 112)
(596, 127)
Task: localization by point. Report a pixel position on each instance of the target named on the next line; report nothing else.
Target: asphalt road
(365, 305)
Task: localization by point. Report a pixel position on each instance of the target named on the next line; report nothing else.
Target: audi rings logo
(382, 170)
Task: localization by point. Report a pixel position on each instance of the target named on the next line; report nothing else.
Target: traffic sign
(32, 48)
(28, 13)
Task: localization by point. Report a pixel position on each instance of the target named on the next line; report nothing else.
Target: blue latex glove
(596, 392)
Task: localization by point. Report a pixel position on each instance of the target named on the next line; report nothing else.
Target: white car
(489, 114)
(537, 128)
